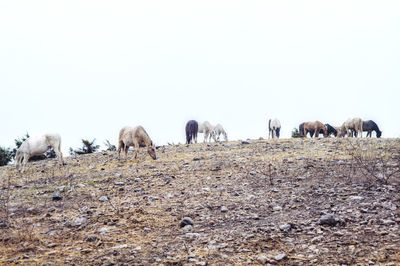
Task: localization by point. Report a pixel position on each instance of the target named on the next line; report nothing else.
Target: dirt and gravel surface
(288, 201)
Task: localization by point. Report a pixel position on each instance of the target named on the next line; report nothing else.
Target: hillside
(288, 201)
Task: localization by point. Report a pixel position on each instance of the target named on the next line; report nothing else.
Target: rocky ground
(289, 201)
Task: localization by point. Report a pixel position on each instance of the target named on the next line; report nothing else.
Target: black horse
(370, 126)
(191, 131)
(331, 130)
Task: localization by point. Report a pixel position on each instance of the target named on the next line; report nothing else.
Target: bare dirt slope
(250, 203)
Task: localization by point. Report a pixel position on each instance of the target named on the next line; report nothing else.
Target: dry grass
(140, 222)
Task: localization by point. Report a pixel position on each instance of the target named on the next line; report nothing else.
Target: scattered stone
(277, 208)
(328, 219)
(91, 238)
(262, 258)
(356, 198)
(388, 222)
(224, 209)
(119, 183)
(188, 228)
(245, 142)
(103, 198)
(79, 221)
(285, 227)
(57, 196)
(118, 175)
(280, 257)
(186, 221)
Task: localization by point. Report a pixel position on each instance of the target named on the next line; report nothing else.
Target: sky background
(85, 69)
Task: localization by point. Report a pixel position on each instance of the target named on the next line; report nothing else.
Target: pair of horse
(193, 128)
(315, 128)
(354, 126)
(37, 145)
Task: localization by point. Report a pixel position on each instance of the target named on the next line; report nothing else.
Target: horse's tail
(188, 134)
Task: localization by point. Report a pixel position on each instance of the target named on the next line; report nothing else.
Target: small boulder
(57, 196)
(186, 221)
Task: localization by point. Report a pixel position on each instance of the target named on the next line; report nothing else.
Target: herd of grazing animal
(138, 137)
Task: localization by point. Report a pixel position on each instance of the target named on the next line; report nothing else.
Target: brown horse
(314, 127)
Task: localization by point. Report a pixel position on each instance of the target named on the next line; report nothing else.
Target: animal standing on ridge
(315, 128)
(208, 131)
(218, 130)
(350, 125)
(38, 145)
(274, 128)
(136, 137)
(330, 129)
(370, 126)
(191, 130)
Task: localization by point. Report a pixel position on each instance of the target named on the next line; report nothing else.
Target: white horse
(274, 127)
(36, 146)
(350, 124)
(218, 130)
(208, 131)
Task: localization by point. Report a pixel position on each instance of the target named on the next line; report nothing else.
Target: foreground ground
(251, 202)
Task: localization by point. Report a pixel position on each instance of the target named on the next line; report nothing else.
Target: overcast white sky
(87, 68)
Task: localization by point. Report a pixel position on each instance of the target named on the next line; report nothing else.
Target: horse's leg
(24, 162)
(120, 145)
(59, 155)
(136, 144)
(126, 148)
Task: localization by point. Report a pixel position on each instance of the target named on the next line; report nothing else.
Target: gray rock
(119, 183)
(356, 198)
(277, 208)
(328, 219)
(262, 258)
(79, 221)
(57, 196)
(91, 238)
(118, 175)
(224, 209)
(103, 198)
(388, 222)
(285, 227)
(280, 257)
(188, 228)
(186, 221)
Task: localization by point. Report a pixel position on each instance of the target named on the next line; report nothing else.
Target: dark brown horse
(314, 128)
(192, 128)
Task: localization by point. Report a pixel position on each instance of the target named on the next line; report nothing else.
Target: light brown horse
(351, 124)
(136, 137)
(315, 127)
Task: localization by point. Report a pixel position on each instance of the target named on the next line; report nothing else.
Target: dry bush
(377, 163)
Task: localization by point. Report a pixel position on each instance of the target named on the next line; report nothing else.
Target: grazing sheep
(136, 137)
(38, 145)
